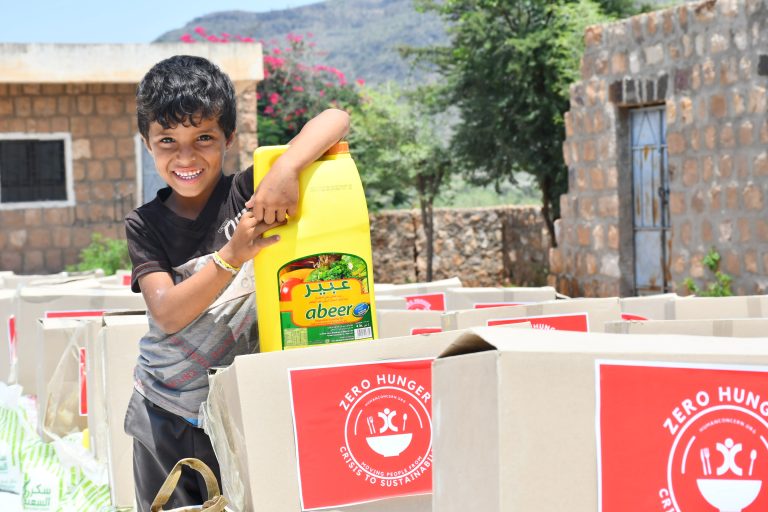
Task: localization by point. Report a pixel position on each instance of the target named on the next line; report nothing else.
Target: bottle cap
(340, 147)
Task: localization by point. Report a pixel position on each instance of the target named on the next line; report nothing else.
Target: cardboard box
(13, 281)
(390, 302)
(647, 307)
(576, 314)
(36, 302)
(60, 384)
(422, 296)
(704, 308)
(250, 417)
(477, 298)
(7, 331)
(537, 422)
(393, 323)
(738, 328)
(111, 360)
(119, 278)
(4, 274)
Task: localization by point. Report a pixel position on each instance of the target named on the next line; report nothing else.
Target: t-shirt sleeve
(145, 250)
(243, 185)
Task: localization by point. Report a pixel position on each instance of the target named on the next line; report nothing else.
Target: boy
(186, 254)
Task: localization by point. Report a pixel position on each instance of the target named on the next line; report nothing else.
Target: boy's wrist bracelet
(221, 262)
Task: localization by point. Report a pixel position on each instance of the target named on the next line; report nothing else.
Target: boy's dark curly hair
(185, 89)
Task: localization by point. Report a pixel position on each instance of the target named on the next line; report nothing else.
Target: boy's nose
(185, 154)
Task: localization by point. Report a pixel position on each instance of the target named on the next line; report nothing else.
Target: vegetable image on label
(324, 298)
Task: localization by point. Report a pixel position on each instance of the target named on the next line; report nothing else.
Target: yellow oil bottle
(315, 286)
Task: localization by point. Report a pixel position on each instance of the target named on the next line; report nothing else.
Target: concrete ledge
(118, 63)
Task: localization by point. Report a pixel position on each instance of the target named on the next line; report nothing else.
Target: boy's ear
(146, 145)
(230, 139)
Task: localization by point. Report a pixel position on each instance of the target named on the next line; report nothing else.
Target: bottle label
(324, 298)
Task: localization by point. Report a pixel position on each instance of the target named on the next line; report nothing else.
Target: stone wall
(707, 64)
(101, 120)
(482, 246)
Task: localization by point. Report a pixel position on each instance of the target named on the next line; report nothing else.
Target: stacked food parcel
(470, 399)
(62, 376)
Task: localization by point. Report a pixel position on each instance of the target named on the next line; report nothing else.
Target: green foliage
(345, 267)
(401, 158)
(507, 72)
(108, 254)
(459, 194)
(623, 8)
(721, 287)
(401, 155)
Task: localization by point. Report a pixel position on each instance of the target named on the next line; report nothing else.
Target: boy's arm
(173, 307)
(278, 193)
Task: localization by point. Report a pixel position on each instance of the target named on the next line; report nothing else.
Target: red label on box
(83, 385)
(484, 305)
(74, 313)
(578, 322)
(630, 316)
(426, 301)
(425, 330)
(685, 438)
(12, 338)
(363, 432)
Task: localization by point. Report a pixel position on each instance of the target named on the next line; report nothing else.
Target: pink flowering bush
(296, 85)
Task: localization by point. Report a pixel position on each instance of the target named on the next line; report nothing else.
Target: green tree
(399, 153)
(507, 72)
(623, 8)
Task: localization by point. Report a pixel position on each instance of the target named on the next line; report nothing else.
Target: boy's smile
(189, 159)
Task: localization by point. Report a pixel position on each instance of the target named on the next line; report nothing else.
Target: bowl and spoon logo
(388, 434)
(719, 461)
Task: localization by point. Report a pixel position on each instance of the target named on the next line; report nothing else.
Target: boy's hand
(277, 196)
(247, 240)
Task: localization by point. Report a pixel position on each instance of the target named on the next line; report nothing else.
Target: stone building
(667, 153)
(71, 160)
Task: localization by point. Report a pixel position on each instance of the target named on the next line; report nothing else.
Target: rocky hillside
(360, 37)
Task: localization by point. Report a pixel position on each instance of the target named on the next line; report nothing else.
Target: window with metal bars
(32, 170)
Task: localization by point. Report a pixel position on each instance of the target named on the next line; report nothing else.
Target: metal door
(650, 193)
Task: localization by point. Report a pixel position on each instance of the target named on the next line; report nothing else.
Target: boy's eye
(166, 140)
(205, 138)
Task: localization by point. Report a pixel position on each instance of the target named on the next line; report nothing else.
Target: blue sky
(112, 21)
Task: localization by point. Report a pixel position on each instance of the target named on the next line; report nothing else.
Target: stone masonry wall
(482, 246)
(707, 63)
(101, 119)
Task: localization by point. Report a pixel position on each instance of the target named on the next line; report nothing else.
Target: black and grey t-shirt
(172, 368)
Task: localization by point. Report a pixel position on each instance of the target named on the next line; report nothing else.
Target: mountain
(360, 37)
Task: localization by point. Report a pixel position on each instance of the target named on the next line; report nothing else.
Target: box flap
(64, 323)
(127, 317)
(125, 312)
(499, 338)
(475, 340)
(721, 327)
(416, 288)
(47, 293)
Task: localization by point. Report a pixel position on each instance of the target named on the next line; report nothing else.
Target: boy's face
(189, 158)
